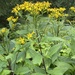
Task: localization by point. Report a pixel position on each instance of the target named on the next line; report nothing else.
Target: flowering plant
(37, 41)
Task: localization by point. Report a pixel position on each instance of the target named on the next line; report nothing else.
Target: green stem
(57, 33)
(43, 61)
(38, 39)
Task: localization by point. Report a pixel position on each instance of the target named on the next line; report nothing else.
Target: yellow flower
(21, 40)
(3, 30)
(30, 35)
(14, 11)
(61, 9)
(32, 8)
(72, 8)
(56, 12)
(9, 18)
(14, 19)
(22, 7)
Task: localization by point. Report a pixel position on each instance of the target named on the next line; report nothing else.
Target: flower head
(3, 30)
(21, 40)
(11, 18)
(29, 35)
(72, 8)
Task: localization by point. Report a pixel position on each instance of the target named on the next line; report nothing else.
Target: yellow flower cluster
(21, 40)
(33, 8)
(11, 18)
(56, 12)
(72, 8)
(29, 35)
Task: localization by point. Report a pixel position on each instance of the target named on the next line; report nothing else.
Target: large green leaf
(37, 59)
(36, 56)
(54, 49)
(61, 68)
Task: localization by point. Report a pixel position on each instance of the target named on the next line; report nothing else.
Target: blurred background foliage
(7, 5)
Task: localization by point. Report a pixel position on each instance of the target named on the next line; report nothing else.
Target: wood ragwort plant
(37, 42)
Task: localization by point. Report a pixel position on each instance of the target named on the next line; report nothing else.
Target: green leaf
(72, 46)
(22, 70)
(29, 18)
(37, 74)
(48, 39)
(54, 49)
(3, 64)
(61, 68)
(12, 45)
(1, 50)
(21, 32)
(5, 72)
(47, 62)
(20, 56)
(55, 56)
(37, 57)
(2, 58)
(28, 55)
(9, 56)
(67, 60)
(39, 70)
(73, 57)
(29, 64)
